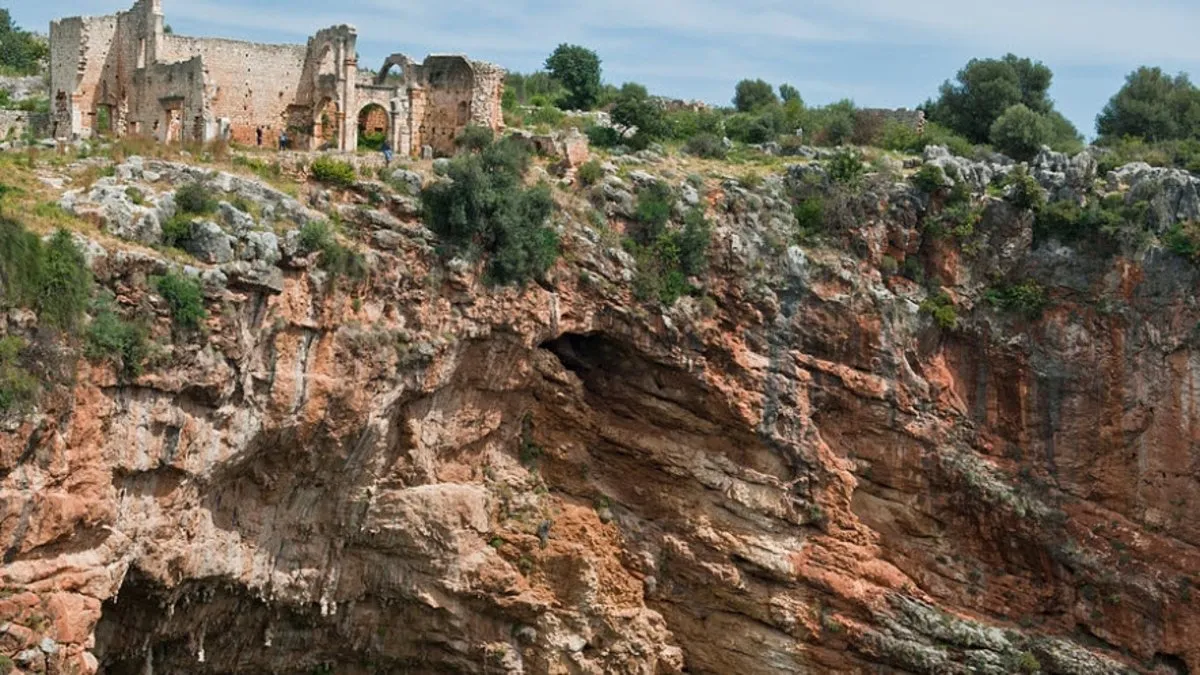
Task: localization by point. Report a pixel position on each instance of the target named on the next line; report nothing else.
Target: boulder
(260, 245)
(209, 243)
(411, 179)
(236, 219)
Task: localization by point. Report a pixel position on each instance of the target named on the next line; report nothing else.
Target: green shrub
(957, 219)
(65, 283)
(1028, 663)
(654, 205)
(935, 134)
(326, 169)
(545, 114)
(810, 218)
(706, 145)
(664, 264)
(18, 388)
(177, 230)
(1107, 219)
(846, 167)
(900, 137)
(1020, 132)
(913, 270)
(684, 124)
(603, 137)
(475, 138)
(590, 173)
(941, 308)
(195, 198)
(485, 208)
(124, 343)
(889, 266)
(337, 259)
(184, 298)
(21, 259)
(1184, 239)
(1024, 190)
(929, 178)
(135, 195)
(752, 127)
(1027, 298)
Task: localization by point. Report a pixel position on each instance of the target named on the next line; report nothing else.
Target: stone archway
(325, 125)
(374, 126)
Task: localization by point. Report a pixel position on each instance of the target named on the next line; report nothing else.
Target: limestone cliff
(798, 470)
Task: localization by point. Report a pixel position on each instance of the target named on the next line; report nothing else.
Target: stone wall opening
(325, 125)
(104, 120)
(373, 126)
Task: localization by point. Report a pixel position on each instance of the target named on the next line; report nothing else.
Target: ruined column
(349, 100)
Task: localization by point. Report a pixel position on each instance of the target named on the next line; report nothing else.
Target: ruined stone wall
(170, 103)
(18, 123)
(249, 84)
(449, 90)
(93, 61)
(488, 95)
(79, 49)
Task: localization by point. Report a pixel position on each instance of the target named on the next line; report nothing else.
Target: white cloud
(1067, 31)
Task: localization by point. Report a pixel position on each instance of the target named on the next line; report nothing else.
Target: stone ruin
(123, 75)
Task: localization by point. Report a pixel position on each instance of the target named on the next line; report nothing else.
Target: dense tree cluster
(1153, 106)
(21, 52)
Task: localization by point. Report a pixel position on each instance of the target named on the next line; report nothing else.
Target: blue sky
(880, 53)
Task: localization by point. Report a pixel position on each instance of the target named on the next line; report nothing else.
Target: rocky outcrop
(796, 470)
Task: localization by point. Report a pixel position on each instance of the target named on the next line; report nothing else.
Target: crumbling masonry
(123, 75)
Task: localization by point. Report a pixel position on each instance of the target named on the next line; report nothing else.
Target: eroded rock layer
(801, 473)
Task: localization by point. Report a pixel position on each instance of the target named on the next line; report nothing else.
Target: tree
(789, 94)
(1020, 132)
(1152, 105)
(485, 207)
(20, 51)
(635, 108)
(750, 95)
(578, 69)
(985, 89)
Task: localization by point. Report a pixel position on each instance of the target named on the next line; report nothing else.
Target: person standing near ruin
(387, 153)
(283, 140)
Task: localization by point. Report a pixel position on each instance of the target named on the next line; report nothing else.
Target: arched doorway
(373, 126)
(325, 125)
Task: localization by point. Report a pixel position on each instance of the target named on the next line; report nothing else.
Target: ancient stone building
(123, 75)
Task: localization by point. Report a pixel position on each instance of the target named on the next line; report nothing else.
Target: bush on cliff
(18, 387)
(184, 299)
(336, 258)
(666, 256)
(484, 208)
(50, 278)
(196, 199)
(111, 338)
(332, 171)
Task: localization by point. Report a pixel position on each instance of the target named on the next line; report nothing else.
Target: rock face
(800, 473)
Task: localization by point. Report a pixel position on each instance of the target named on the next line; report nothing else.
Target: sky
(879, 53)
